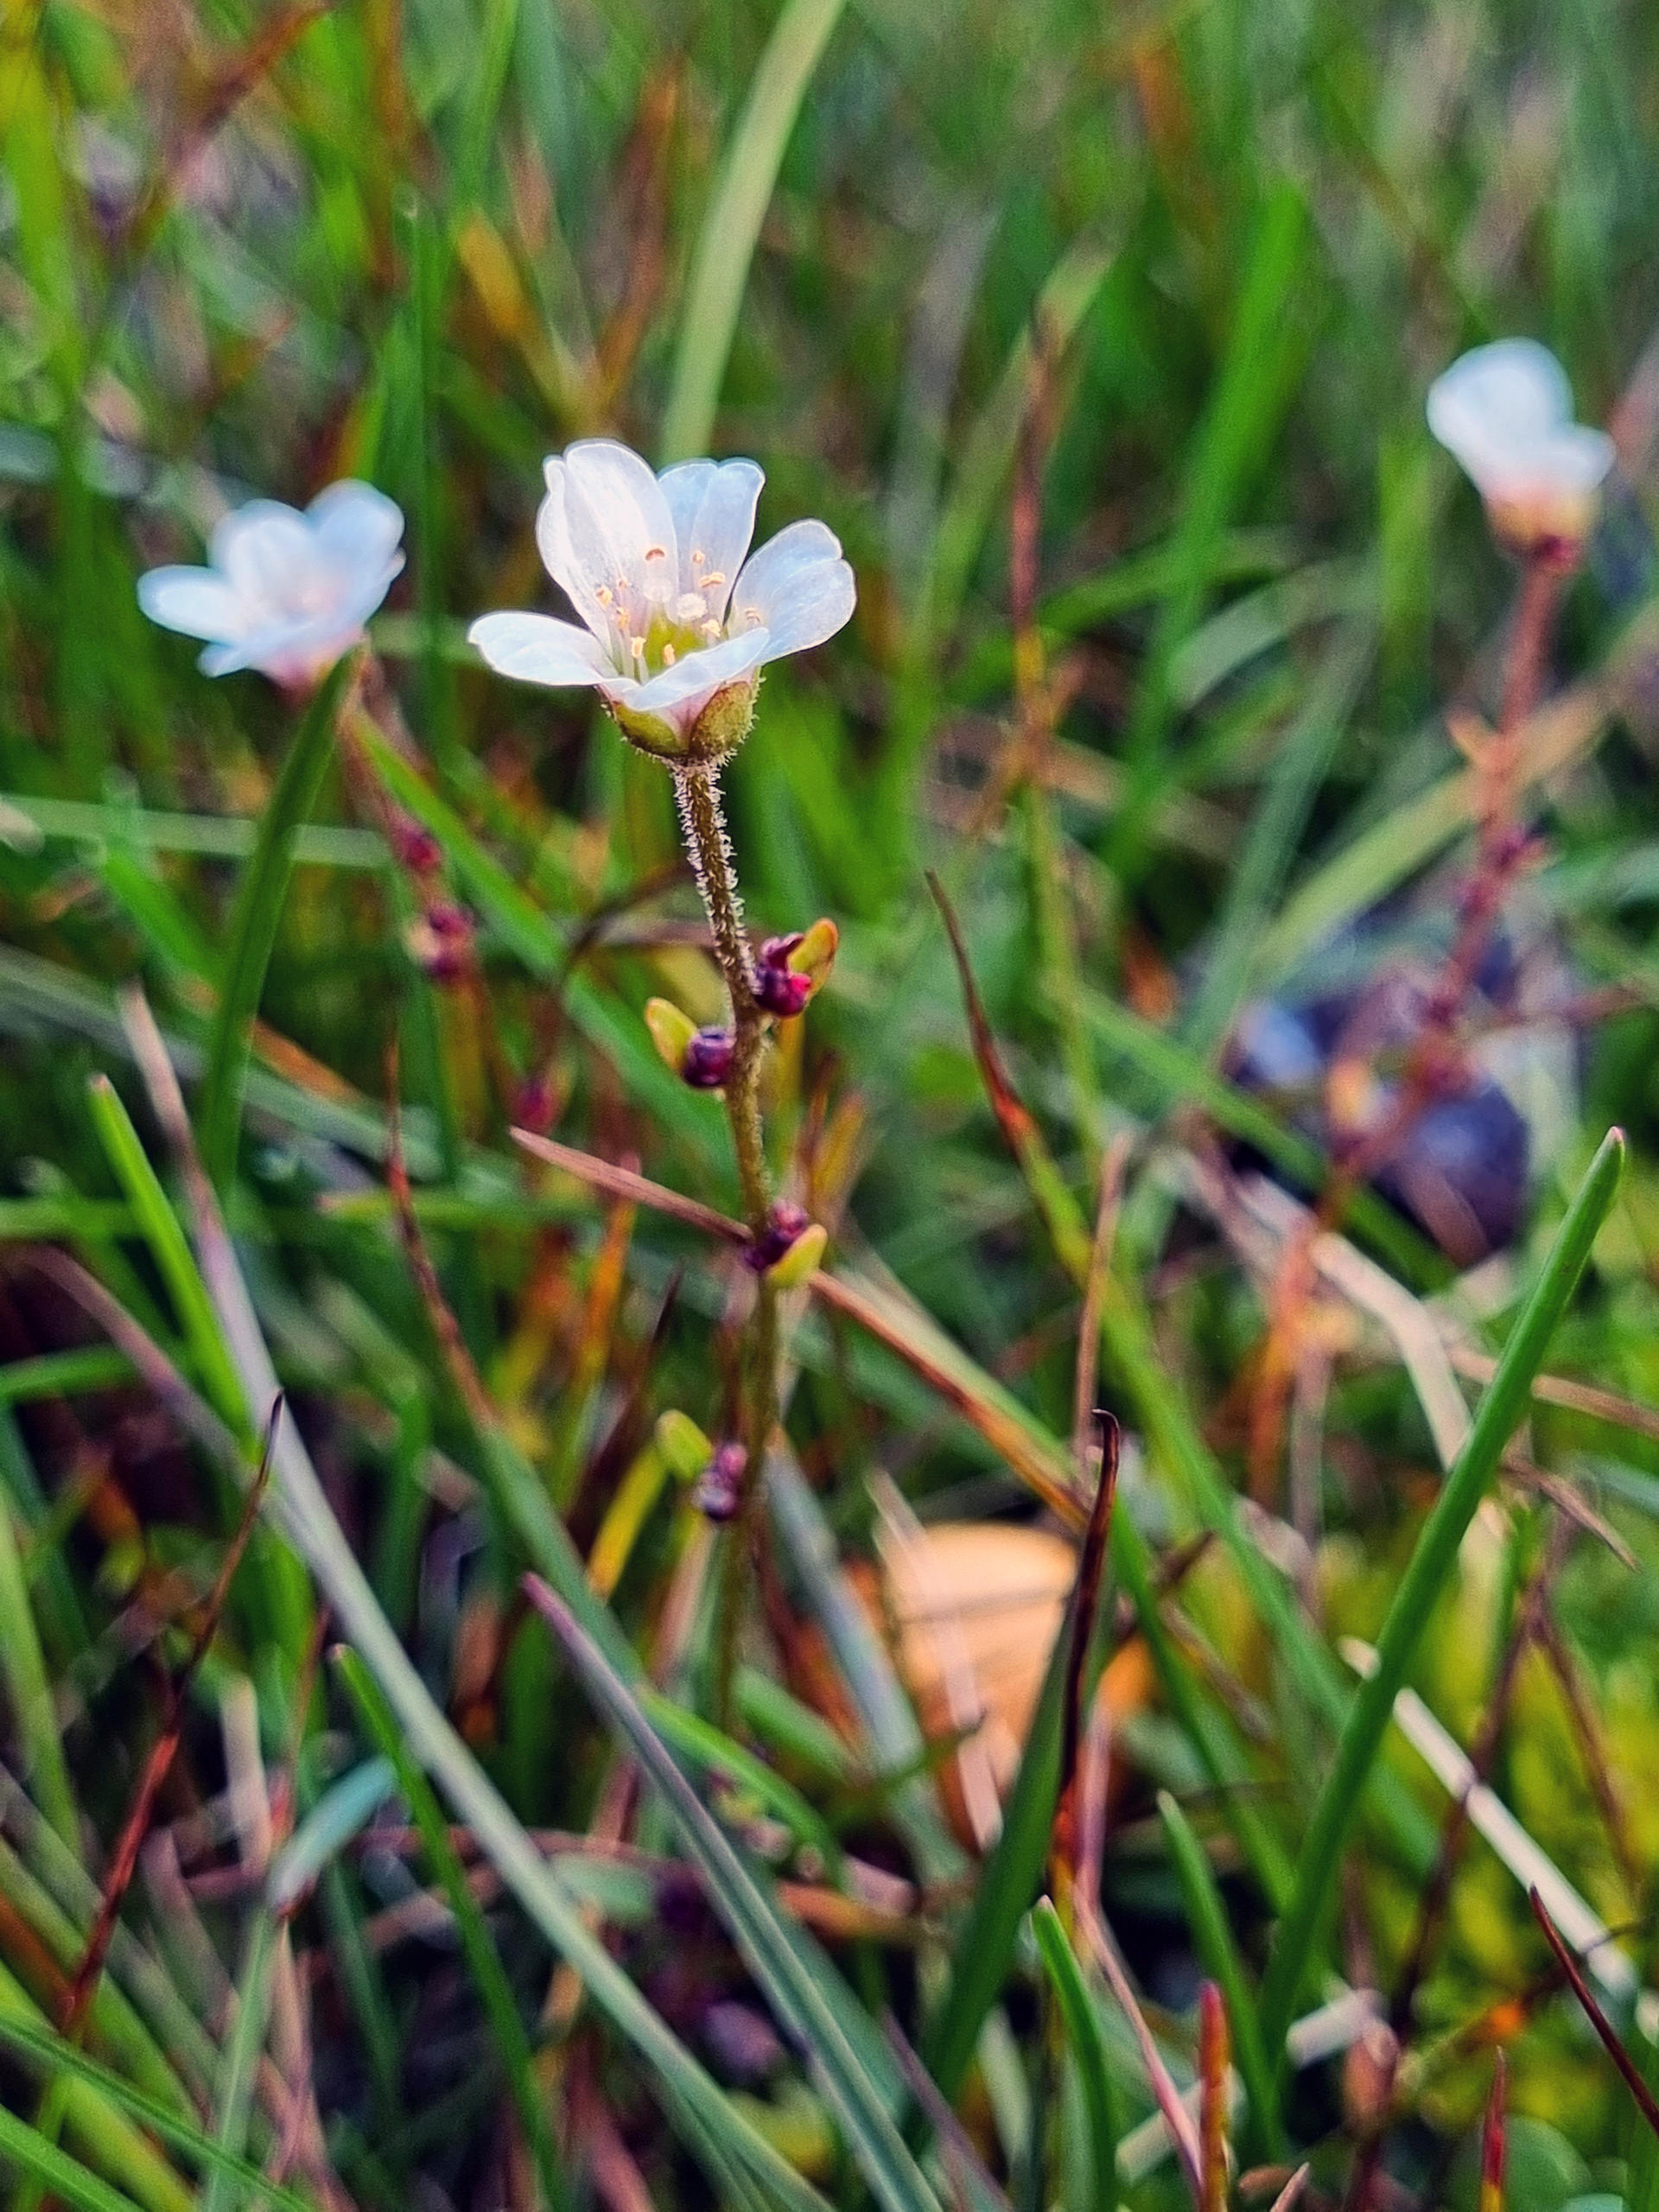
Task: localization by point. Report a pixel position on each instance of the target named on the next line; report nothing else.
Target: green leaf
(1431, 1563)
(1084, 2033)
(159, 1226)
(731, 228)
(64, 2177)
(1008, 1882)
(29, 1692)
(1213, 1933)
(254, 924)
(59, 2056)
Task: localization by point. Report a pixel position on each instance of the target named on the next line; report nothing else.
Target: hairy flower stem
(697, 791)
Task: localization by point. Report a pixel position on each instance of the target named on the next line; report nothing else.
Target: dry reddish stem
(1492, 2140)
(1598, 2020)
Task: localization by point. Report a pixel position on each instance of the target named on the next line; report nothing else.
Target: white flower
(1505, 413)
(676, 620)
(287, 592)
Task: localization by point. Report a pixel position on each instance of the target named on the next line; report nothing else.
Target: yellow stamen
(669, 656)
(712, 578)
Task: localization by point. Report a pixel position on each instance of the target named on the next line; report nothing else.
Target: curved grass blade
(730, 229)
(159, 1226)
(253, 926)
(103, 2134)
(893, 2175)
(66, 2178)
(1218, 1954)
(1088, 2043)
(1430, 1567)
(482, 1959)
(64, 2057)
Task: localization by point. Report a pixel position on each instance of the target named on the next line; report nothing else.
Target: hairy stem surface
(697, 791)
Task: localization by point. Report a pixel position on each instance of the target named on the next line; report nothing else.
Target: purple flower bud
(440, 941)
(415, 846)
(719, 1489)
(777, 986)
(536, 1105)
(784, 1224)
(708, 1060)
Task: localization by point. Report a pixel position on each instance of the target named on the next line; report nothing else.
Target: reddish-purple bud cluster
(536, 1105)
(719, 1489)
(441, 941)
(777, 986)
(784, 1224)
(415, 846)
(708, 1059)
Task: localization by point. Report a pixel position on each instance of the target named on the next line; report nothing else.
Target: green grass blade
(710, 2124)
(1088, 2044)
(726, 244)
(1218, 1953)
(894, 2176)
(712, 1751)
(1207, 1730)
(482, 1960)
(233, 2099)
(1225, 452)
(1303, 754)
(32, 2153)
(22, 1669)
(1008, 1882)
(159, 1225)
(1430, 1567)
(116, 2147)
(254, 923)
(55, 2053)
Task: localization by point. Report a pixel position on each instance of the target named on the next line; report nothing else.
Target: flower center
(671, 633)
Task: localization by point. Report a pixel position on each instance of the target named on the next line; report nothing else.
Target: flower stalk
(697, 791)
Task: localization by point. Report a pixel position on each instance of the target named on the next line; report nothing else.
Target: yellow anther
(712, 578)
(656, 553)
(637, 647)
(602, 594)
(669, 656)
(698, 556)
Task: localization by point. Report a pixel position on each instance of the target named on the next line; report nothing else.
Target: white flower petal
(703, 673)
(797, 587)
(581, 563)
(683, 486)
(357, 526)
(625, 501)
(196, 602)
(265, 551)
(1577, 458)
(713, 505)
(538, 649)
(1496, 401)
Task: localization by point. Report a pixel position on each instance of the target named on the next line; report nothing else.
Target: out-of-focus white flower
(286, 593)
(677, 624)
(1505, 413)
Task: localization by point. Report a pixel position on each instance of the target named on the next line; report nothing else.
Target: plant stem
(697, 790)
